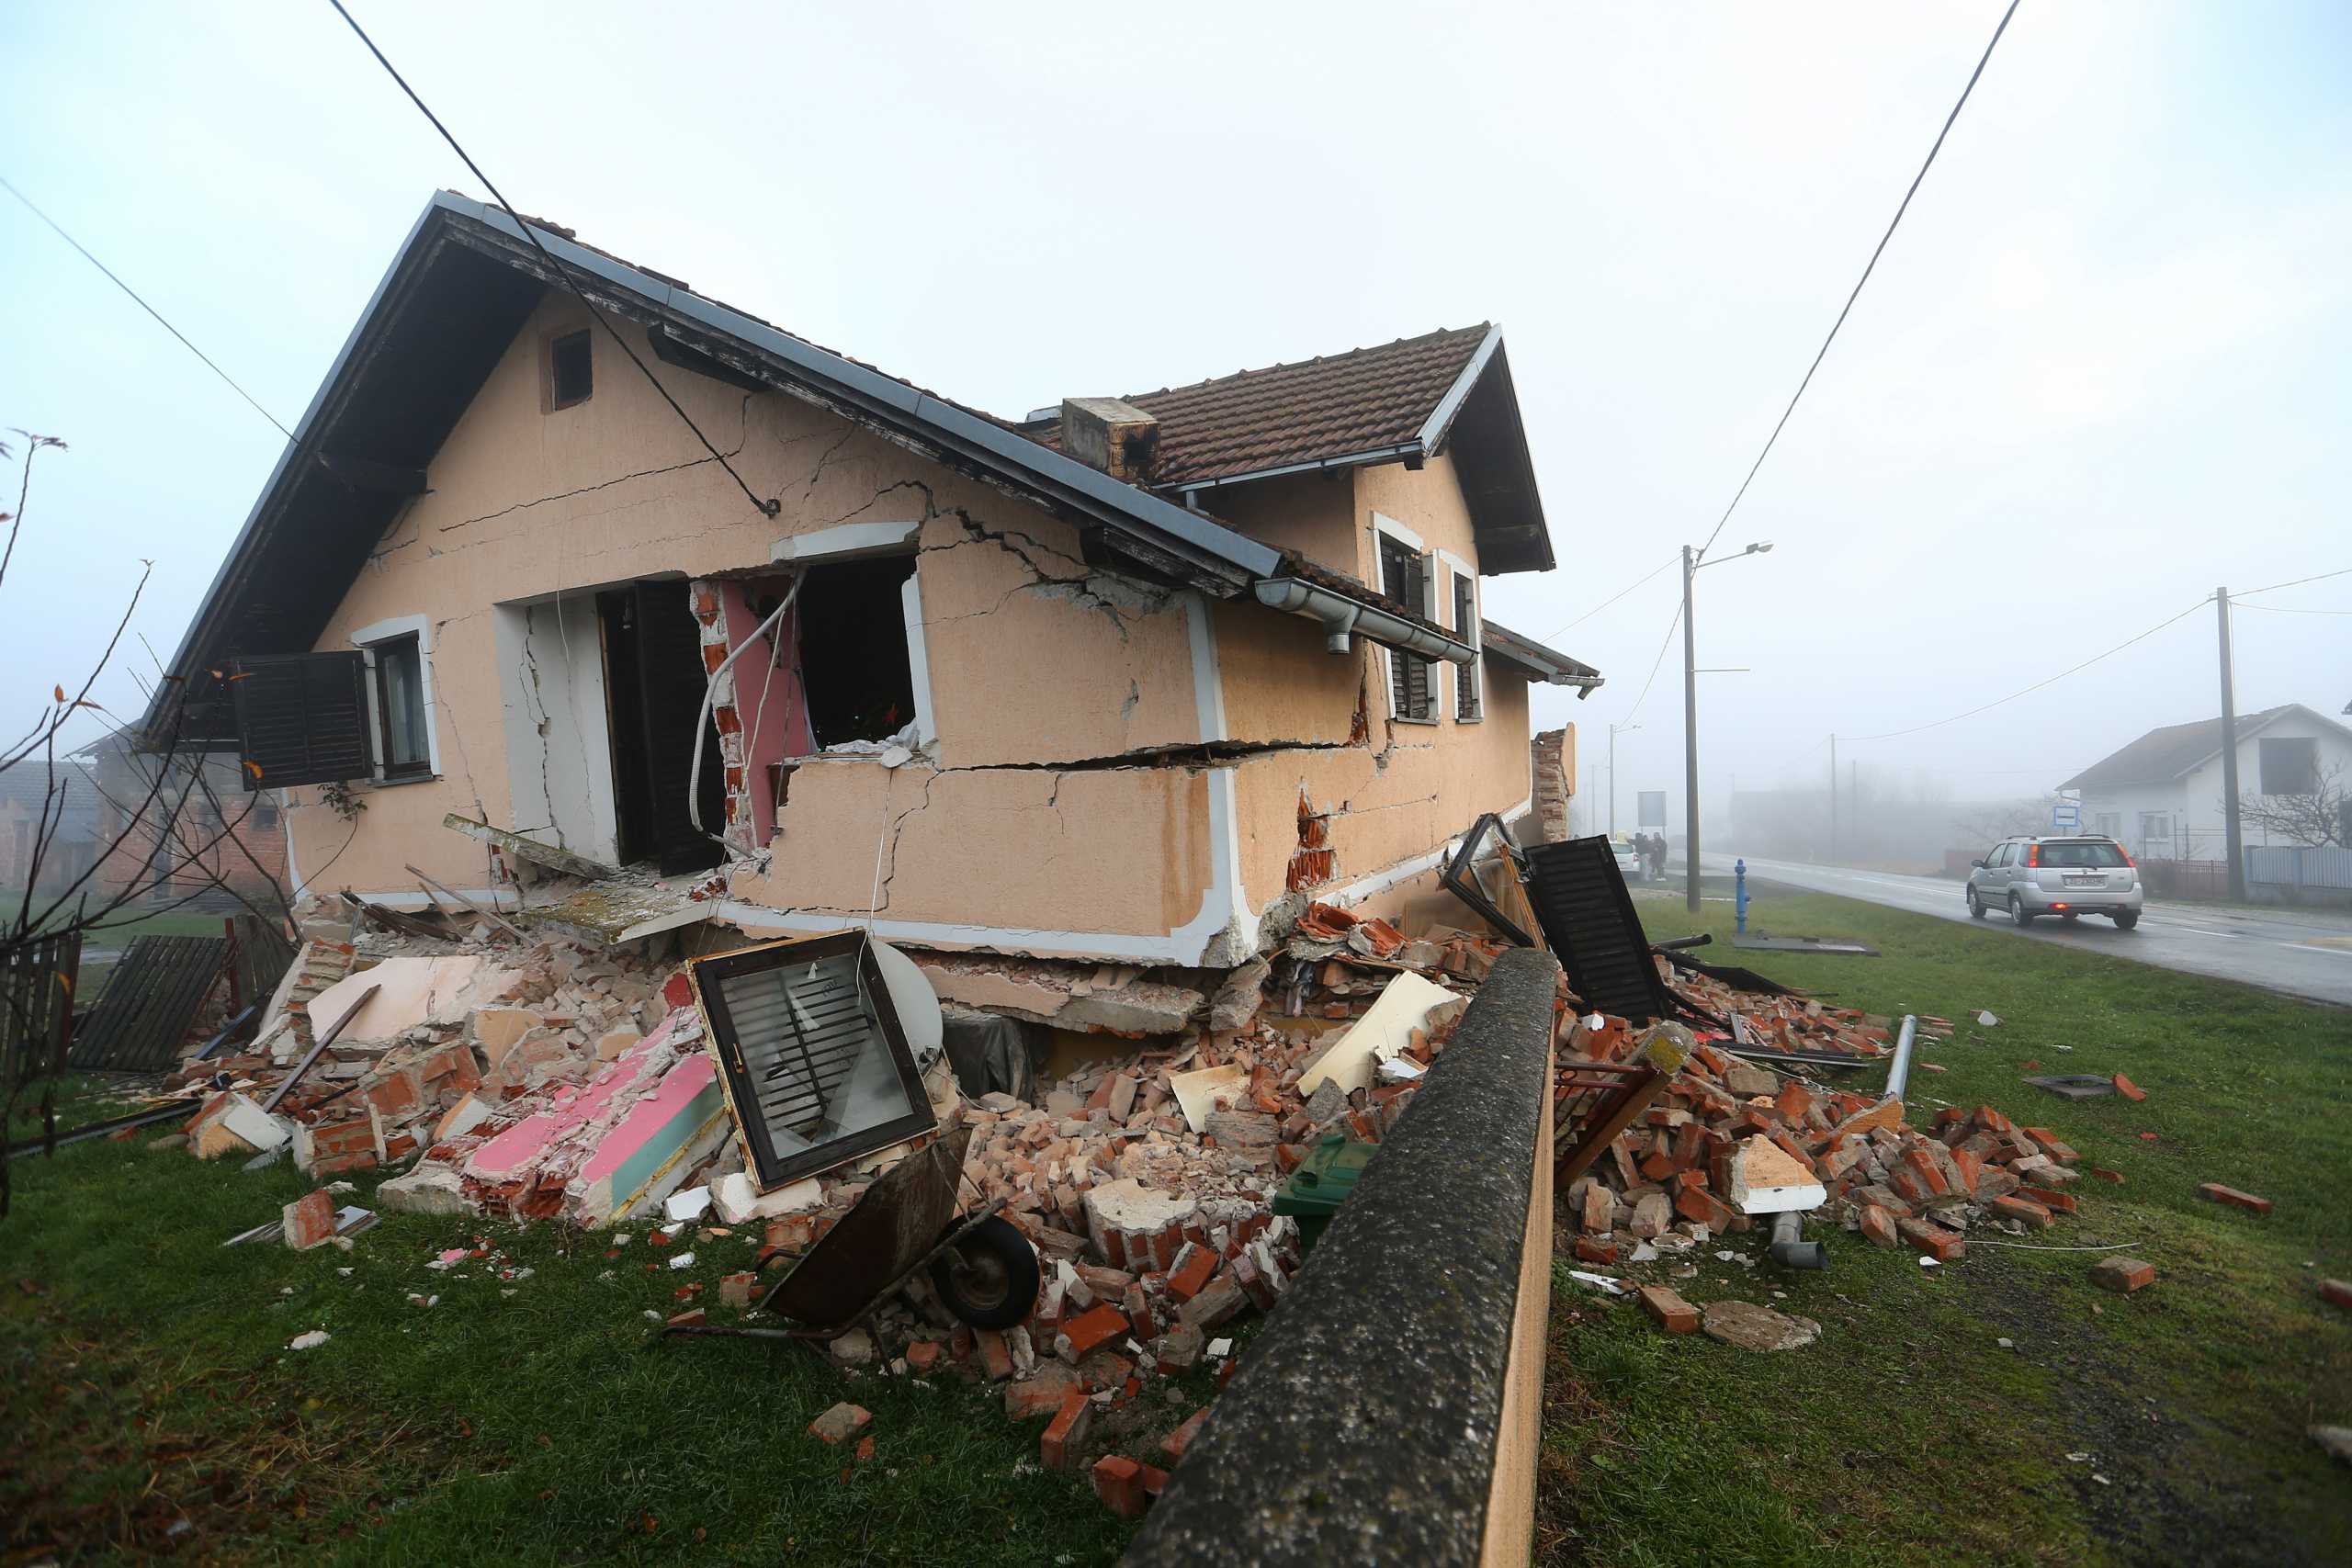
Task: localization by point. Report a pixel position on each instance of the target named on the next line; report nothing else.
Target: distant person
(1657, 856)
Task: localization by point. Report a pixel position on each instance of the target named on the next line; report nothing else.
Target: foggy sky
(2100, 369)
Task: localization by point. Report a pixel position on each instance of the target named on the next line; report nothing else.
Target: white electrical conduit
(702, 719)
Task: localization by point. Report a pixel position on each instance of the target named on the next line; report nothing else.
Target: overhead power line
(766, 508)
(34, 209)
(1655, 663)
(2284, 609)
(2298, 582)
(1588, 614)
(2037, 686)
(1867, 270)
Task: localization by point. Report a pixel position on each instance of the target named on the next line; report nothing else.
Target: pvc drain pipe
(1789, 1249)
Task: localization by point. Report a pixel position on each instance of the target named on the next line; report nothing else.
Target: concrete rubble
(1729, 1142)
(561, 1080)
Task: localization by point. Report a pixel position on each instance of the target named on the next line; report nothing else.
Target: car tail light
(2033, 854)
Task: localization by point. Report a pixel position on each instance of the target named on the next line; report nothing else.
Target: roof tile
(1318, 409)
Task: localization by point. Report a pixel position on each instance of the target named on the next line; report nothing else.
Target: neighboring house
(1129, 681)
(49, 829)
(178, 842)
(2161, 797)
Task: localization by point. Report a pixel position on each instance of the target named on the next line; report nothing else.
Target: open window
(817, 1068)
(403, 741)
(853, 659)
(571, 370)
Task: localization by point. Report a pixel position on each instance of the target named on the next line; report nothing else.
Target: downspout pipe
(1789, 1249)
(1899, 1074)
(1343, 617)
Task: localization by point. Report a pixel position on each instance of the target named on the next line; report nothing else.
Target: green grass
(147, 1384)
(1906, 1433)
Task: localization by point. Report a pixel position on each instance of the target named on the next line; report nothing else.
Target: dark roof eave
(1548, 665)
(1112, 502)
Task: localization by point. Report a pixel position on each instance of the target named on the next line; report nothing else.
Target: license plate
(2091, 880)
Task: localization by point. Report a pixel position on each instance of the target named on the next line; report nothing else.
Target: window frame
(1467, 621)
(369, 640)
(1386, 527)
(556, 401)
(2263, 748)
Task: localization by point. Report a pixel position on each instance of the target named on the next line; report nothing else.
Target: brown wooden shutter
(302, 719)
(1466, 676)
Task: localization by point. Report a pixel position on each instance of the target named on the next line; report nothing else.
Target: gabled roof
(1403, 402)
(2163, 755)
(462, 286)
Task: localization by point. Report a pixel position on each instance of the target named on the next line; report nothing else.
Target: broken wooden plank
(530, 850)
(490, 915)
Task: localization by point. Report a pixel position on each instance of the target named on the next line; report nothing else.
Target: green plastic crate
(1321, 1183)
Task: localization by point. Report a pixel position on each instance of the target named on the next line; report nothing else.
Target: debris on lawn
(311, 1341)
(2122, 1275)
(2074, 1086)
(840, 1423)
(2336, 1440)
(1752, 1327)
(2336, 1292)
(2128, 1090)
(2234, 1198)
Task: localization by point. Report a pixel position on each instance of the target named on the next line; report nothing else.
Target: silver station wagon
(2068, 877)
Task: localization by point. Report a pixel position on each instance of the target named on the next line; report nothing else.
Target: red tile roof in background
(1334, 406)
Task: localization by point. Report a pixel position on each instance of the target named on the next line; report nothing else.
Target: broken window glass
(816, 1067)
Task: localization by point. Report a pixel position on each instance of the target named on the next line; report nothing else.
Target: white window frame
(1461, 572)
(857, 541)
(393, 631)
(1383, 525)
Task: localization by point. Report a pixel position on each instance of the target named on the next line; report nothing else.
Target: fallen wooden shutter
(302, 719)
(1589, 922)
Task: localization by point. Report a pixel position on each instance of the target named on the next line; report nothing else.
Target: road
(2300, 953)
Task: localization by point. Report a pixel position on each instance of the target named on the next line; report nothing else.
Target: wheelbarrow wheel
(990, 1276)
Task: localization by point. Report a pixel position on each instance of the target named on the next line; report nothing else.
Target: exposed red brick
(1119, 1483)
(2234, 1198)
(1067, 1431)
(1669, 1310)
(1878, 1225)
(1095, 1327)
(1938, 1243)
(2122, 1275)
(2336, 1292)
(2024, 1209)
(1174, 1444)
(2128, 1090)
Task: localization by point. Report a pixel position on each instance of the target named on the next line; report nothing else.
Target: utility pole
(1833, 800)
(2236, 839)
(1690, 740)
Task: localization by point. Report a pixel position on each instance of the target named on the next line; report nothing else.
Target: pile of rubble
(1725, 1128)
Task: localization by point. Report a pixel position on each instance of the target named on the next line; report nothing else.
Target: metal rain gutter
(1402, 452)
(1343, 617)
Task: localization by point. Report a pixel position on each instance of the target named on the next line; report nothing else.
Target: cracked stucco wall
(1032, 656)
(1040, 805)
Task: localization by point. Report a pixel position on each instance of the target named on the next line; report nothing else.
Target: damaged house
(1125, 683)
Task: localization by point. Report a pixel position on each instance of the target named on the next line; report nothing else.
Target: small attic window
(571, 370)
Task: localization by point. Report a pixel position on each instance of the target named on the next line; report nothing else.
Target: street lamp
(1691, 566)
(1614, 731)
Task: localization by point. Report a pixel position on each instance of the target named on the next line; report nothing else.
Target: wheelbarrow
(982, 1265)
